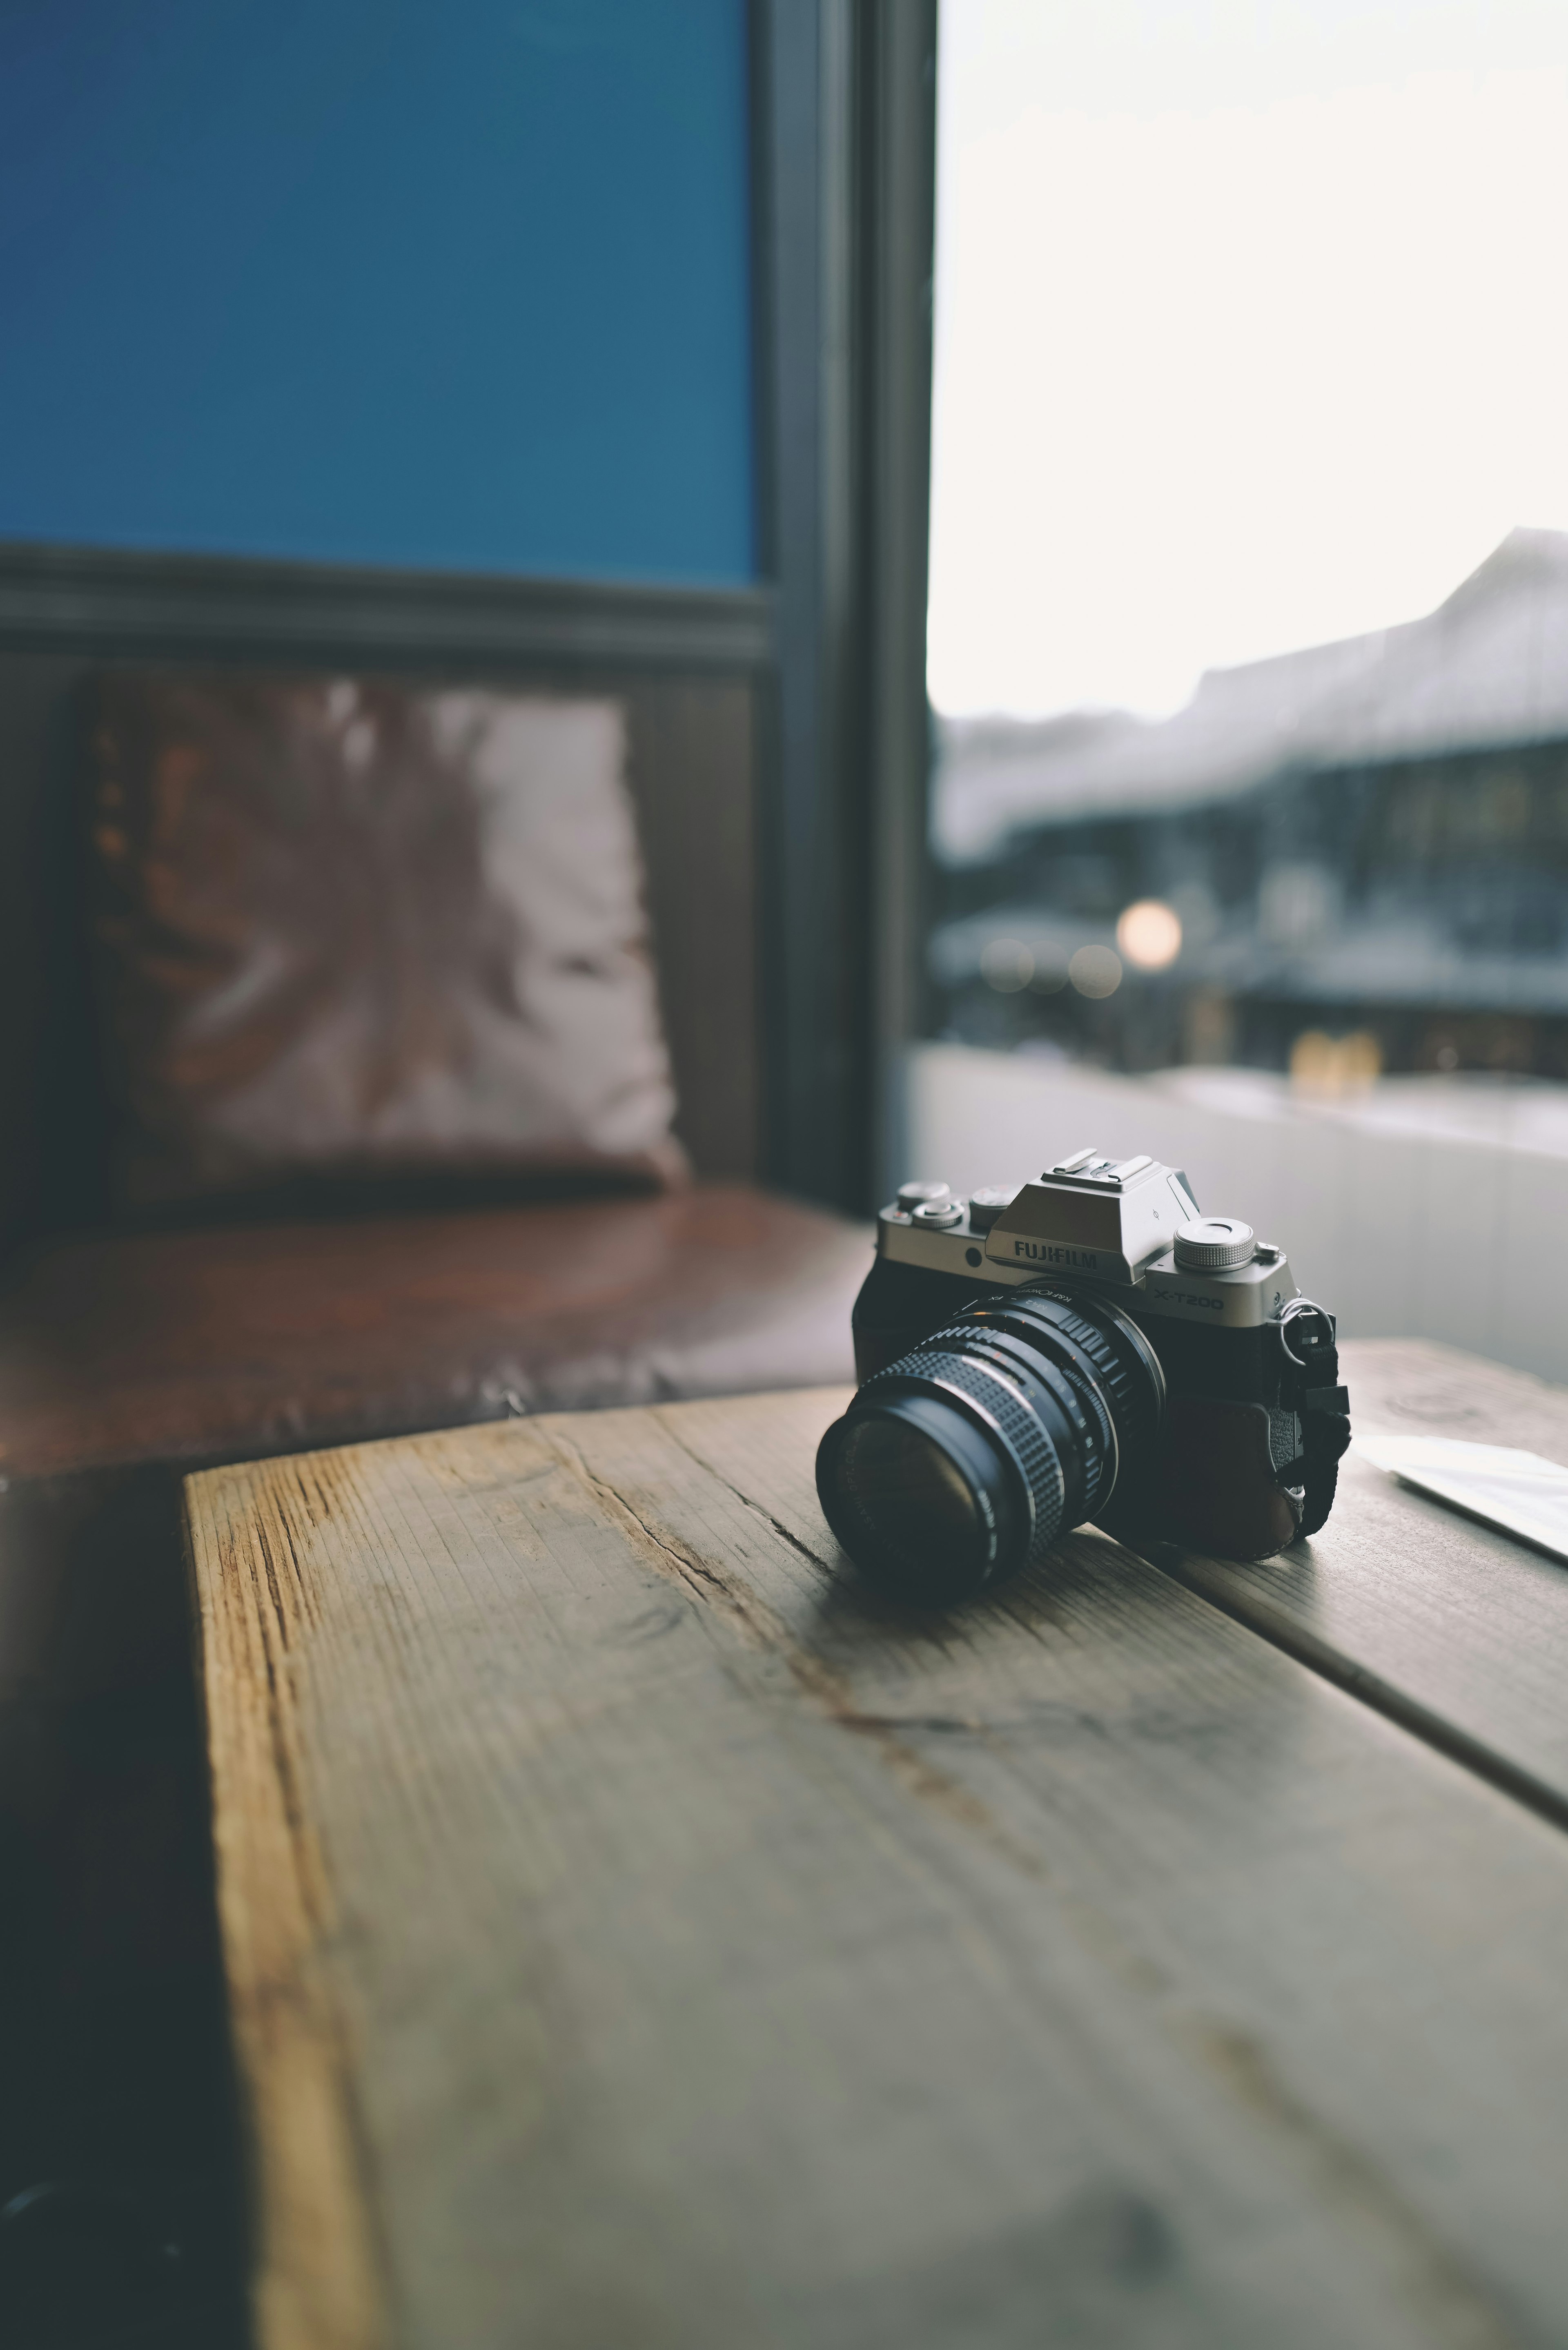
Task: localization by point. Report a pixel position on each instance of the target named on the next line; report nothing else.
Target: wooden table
(641, 1939)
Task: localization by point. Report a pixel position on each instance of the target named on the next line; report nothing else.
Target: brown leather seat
(228, 1342)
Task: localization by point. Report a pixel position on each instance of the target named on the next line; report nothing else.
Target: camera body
(1244, 1420)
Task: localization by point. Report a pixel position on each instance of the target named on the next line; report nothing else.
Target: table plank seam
(1354, 1681)
(1255, 1614)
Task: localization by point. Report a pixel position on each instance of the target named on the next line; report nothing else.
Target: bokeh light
(1007, 965)
(1149, 934)
(1096, 971)
(1334, 1066)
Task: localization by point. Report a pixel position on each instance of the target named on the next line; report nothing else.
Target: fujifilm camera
(1086, 1349)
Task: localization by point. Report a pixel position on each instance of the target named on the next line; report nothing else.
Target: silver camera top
(1131, 1222)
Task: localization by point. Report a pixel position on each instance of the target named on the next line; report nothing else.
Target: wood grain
(1445, 1623)
(315, 2269)
(637, 1936)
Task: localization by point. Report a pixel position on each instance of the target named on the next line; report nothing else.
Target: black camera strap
(1325, 1410)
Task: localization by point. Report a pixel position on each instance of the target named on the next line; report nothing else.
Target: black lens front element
(964, 1461)
(925, 1496)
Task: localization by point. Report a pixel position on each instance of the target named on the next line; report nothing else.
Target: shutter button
(940, 1212)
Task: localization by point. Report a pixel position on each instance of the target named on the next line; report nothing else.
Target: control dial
(988, 1203)
(1214, 1244)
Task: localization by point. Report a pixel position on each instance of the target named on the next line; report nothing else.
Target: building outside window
(1249, 631)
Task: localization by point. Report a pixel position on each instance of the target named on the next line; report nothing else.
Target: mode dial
(918, 1195)
(1214, 1244)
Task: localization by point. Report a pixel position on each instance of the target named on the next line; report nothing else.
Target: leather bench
(230, 1342)
(208, 1332)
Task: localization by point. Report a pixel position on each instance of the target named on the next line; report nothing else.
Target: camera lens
(922, 1490)
(963, 1462)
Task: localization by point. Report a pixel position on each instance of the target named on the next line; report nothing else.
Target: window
(1249, 631)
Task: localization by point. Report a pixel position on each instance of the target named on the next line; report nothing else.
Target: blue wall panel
(370, 281)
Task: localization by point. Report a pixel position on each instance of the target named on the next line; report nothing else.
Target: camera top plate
(1091, 1215)
(1089, 1218)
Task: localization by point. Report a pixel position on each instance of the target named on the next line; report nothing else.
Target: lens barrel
(963, 1462)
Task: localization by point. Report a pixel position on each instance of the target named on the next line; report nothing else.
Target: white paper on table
(1518, 1492)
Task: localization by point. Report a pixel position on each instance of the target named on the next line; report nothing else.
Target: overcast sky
(1252, 330)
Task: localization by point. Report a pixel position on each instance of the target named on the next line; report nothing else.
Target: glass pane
(1249, 630)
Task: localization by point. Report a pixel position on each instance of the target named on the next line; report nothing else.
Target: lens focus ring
(1122, 1376)
(1047, 1381)
(1000, 1403)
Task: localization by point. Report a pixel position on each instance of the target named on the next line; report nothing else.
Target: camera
(1086, 1349)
